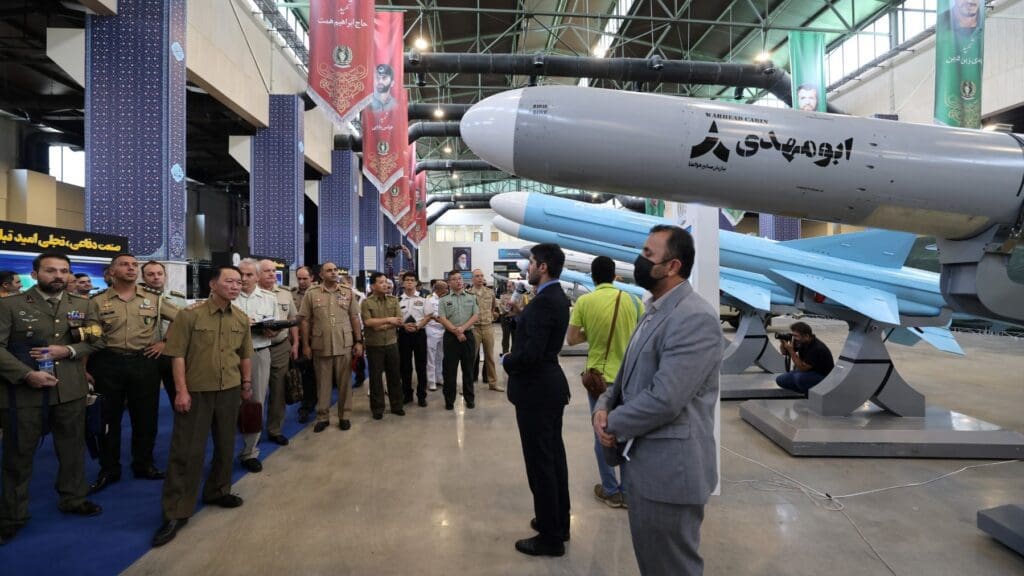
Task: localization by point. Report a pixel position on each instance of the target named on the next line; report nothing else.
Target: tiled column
(778, 227)
(339, 213)
(370, 224)
(277, 185)
(135, 126)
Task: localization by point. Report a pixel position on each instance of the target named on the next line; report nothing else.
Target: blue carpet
(53, 543)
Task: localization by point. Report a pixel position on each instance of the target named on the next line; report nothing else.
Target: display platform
(752, 385)
(1005, 524)
(871, 432)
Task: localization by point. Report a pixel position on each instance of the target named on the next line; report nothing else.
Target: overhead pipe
(637, 70)
(452, 165)
(433, 129)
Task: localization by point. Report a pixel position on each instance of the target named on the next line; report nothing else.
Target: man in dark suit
(538, 389)
(663, 400)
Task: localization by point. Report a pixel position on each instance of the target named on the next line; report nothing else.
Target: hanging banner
(959, 58)
(807, 62)
(341, 57)
(733, 216)
(419, 232)
(654, 207)
(386, 119)
(407, 222)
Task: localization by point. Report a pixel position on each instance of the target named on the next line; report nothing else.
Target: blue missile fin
(754, 296)
(883, 248)
(941, 338)
(874, 303)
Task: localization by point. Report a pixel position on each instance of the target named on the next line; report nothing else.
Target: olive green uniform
(331, 314)
(382, 353)
(213, 341)
(124, 375)
(458, 309)
(164, 362)
(27, 320)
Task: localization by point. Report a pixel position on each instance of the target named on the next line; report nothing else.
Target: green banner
(959, 55)
(734, 216)
(654, 207)
(807, 63)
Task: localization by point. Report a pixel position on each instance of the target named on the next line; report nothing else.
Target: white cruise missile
(953, 183)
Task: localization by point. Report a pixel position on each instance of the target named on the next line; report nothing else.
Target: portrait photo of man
(462, 259)
(807, 97)
(384, 79)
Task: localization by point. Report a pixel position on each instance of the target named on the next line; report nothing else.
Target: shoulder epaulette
(177, 294)
(79, 296)
(150, 290)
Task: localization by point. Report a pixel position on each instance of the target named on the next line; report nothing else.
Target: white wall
(907, 85)
(436, 257)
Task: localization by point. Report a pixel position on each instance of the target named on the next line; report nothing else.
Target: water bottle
(46, 363)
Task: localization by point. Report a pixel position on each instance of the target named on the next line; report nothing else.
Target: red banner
(341, 56)
(419, 231)
(386, 118)
(409, 220)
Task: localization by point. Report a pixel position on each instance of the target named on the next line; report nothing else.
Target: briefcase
(250, 417)
(293, 384)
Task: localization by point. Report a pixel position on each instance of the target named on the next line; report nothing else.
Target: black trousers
(132, 381)
(540, 432)
(308, 385)
(508, 332)
(458, 354)
(167, 377)
(413, 346)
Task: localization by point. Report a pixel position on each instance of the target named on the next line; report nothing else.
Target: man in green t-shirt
(591, 322)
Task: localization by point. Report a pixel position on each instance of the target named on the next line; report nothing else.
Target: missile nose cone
(511, 205)
(507, 226)
(489, 129)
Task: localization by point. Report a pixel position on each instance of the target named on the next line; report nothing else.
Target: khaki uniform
(308, 375)
(27, 320)
(331, 315)
(213, 341)
(125, 376)
(280, 360)
(483, 332)
(164, 362)
(382, 354)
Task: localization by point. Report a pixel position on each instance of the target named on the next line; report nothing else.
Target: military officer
(211, 346)
(10, 283)
(154, 277)
(127, 370)
(412, 339)
(483, 330)
(38, 398)
(304, 281)
(331, 337)
(259, 305)
(381, 317)
(284, 347)
(458, 312)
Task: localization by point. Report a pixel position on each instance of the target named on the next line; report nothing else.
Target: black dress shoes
(533, 524)
(470, 404)
(252, 465)
(344, 424)
(149, 473)
(378, 416)
(226, 501)
(321, 426)
(398, 412)
(86, 508)
(537, 547)
(103, 480)
(279, 439)
(423, 402)
(168, 531)
(7, 534)
(449, 406)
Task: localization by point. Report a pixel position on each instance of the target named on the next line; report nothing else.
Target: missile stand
(752, 347)
(864, 407)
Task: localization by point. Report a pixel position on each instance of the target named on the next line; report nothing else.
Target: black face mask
(642, 268)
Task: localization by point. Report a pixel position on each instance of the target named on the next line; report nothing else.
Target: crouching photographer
(810, 358)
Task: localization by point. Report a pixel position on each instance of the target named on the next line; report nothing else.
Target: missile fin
(876, 247)
(876, 304)
(753, 296)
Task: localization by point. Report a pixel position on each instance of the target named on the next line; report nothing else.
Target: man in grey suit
(663, 400)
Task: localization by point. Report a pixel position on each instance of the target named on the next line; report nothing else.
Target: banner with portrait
(340, 56)
(419, 232)
(807, 62)
(385, 119)
(959, 59)
(408, 221)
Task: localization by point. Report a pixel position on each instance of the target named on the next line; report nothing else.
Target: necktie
(53, 302)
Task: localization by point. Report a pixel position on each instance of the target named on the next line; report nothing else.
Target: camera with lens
(391, 250)
(785, 337)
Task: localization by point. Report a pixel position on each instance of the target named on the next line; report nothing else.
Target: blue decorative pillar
(135, 127)
(276, 184)
(780, 228)
(370, 223)
(339, 213)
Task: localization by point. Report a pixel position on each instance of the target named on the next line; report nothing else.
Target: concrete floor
(441, 492)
